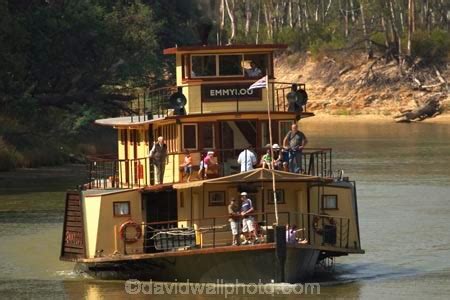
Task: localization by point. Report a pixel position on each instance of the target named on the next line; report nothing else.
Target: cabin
(123, 210)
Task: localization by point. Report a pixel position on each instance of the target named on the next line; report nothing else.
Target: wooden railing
(309, 229)
(155, 103)
(139, 172)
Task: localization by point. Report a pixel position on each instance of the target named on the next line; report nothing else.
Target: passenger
(254, 71)
(206, 164)
(247, 159)
(291, 234)
(235, 220)
(248, 227)
(187, 165)
(266, 160)
(277, 157)
(158, 155)
(295, 141)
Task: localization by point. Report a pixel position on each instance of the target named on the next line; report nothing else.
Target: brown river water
(403, 183)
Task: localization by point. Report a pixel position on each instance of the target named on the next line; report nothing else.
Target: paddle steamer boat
(124, 224)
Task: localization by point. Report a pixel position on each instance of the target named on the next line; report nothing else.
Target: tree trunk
(366, 37)
(232, 15)
(410, 25)
(291, 19)
(248, 16)
(258, 22)
(268, 17)
(305, 10)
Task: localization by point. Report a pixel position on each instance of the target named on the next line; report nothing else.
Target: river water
(403, 182)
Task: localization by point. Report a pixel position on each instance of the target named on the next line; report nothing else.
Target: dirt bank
(354, 86)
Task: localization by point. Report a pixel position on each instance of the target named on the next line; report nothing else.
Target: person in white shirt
(247, 159)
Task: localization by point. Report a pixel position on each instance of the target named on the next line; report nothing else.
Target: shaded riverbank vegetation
(64, 64)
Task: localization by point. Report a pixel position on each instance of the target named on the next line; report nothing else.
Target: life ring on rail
(316, 221)
(136, 227)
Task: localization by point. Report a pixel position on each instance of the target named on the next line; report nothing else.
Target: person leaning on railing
(296, 141)
(235, 220)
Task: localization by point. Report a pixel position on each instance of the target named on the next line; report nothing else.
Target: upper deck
(211, 108)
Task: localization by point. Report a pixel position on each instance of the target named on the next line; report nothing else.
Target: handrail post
(214, 232)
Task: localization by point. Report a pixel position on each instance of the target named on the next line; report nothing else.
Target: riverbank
(321, 117)
(349, 84)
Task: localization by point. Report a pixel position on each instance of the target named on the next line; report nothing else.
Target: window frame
(121, 202)
(336, 201)
(184, 135)
(201, 136)
(271, 201)
(207, 76)
(229, 54)
(223, 201)
(280, 127)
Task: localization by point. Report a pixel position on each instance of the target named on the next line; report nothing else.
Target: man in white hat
(248, 227)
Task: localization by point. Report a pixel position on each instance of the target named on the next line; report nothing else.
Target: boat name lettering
(229, 92)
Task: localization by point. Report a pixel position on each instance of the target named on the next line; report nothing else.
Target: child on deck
(267, 160)
(187, 165)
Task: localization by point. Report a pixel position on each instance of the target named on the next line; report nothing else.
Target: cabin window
(121, 208)
(285, 127)
(265, 137)
(216, 198)
(207, 136)
(123, 136)
(280, 197)
(203, 65)
(329, 202)
(230, 65)
(190, 136)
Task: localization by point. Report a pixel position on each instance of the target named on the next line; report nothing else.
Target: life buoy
(316, 221)
(136, 227)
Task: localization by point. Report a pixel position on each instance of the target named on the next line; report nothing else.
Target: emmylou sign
(229, 92)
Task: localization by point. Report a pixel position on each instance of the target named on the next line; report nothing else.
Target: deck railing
(135, 173)
(155, 103)
(178, 235)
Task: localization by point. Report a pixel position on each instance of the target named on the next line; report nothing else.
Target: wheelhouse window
(253, 65)
(190, 136)
(121, 208)
(203, 66)
(257, 65)
(329, 202)
(230, 65)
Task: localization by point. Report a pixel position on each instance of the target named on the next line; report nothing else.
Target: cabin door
(160, 207)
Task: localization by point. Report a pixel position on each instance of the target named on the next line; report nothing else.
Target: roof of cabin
(128, 120)
(259, 174)
(215, 48)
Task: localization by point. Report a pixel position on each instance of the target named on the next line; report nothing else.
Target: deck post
(280, 251)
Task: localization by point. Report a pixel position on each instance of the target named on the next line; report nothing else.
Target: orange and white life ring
(123, 230)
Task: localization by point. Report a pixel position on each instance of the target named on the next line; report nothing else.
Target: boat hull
(256, 266)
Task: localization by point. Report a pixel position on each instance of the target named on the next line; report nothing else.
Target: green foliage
(433, 47)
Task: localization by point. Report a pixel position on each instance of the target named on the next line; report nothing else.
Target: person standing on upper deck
(158, 154)
(247, 159)
(295, 141)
